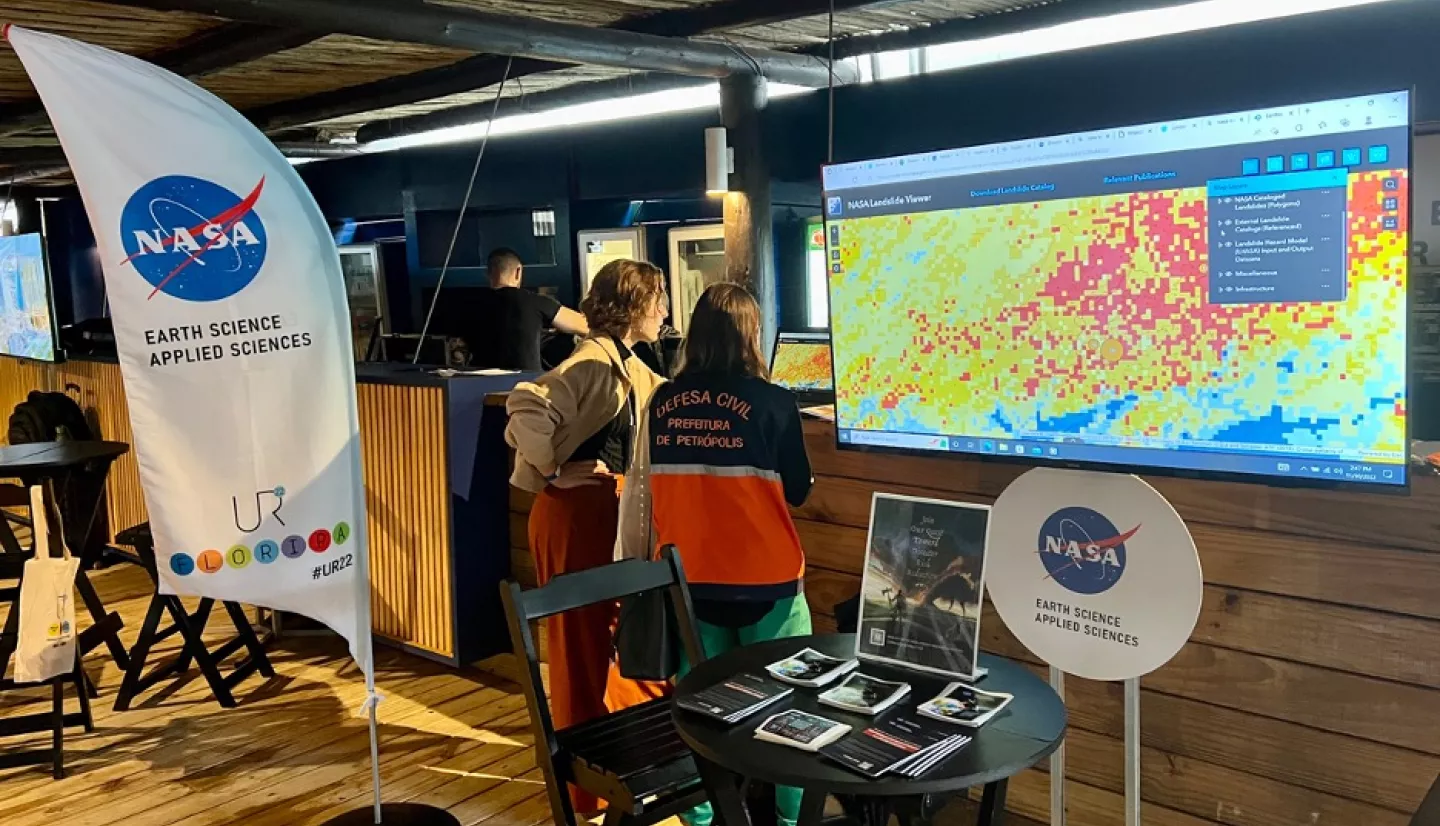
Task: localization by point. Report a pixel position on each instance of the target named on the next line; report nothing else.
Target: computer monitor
(435, 351)
(27, 320)
(801, 364)
(1221, 295)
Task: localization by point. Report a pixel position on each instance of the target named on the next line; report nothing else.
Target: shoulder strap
(635, 537)
(42, 508)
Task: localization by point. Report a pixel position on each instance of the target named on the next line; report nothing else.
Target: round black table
(1026, 732)
(43, 459)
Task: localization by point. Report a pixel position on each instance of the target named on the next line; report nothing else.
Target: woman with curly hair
(572, 430)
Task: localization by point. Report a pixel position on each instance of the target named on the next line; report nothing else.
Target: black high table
(1025, 733)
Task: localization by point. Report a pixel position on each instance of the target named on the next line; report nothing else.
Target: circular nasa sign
(193, 239)
(1093, 572)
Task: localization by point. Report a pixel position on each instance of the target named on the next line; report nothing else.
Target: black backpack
(43, 417)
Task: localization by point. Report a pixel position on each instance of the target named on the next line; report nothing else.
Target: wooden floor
(294, 752)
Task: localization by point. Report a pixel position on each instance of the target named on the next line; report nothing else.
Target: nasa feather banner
(233, 333)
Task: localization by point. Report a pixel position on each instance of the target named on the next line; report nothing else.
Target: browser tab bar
(1315, 119)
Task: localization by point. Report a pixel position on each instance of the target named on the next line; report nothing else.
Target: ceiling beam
(486, 70)
(209, 51)
(463, 76)
(478, 113)
(230, 44)
(756, 12)
(27, 156)
(689, 21)
(15, 177)
(462, 28)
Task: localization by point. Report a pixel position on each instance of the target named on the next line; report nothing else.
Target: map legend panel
(1278, 238)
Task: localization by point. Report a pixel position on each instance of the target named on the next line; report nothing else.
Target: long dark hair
(724, 334)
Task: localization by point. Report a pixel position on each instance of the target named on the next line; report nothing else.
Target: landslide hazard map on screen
(1224, 293)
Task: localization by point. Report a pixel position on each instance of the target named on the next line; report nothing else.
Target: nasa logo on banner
(193, 239)
(1093, 572)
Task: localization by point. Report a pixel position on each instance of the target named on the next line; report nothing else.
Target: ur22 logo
(1082, 550)
(193, 239)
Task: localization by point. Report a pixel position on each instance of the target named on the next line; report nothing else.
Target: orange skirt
(572, 530)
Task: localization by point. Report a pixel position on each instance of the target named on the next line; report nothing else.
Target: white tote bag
(46, 647)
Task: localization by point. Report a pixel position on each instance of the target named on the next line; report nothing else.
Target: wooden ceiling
(313, 86)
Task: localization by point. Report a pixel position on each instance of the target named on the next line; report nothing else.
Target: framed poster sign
(923, 585)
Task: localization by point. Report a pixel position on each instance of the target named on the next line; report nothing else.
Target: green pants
(789, 618)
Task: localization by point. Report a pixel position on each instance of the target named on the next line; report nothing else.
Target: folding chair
(634, 759)
(191, 628)
(55, 721)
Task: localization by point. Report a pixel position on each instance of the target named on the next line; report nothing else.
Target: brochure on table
(736, 698)
(810, 668)
(801, 730)
(923, 586)
(1093, 572)
(964, 705)
(899, 743)
(864, 694)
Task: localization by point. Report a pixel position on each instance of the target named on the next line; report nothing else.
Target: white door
(599, 247)
(697, 259)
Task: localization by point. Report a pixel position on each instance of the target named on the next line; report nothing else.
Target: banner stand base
(396, 814)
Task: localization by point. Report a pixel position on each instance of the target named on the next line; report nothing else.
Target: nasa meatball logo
(1082, 550)
(193, 239)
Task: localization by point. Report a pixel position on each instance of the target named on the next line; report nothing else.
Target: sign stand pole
(1057, 760)
(1132, 752)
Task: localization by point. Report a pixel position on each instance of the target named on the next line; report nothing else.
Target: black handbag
(647, 636)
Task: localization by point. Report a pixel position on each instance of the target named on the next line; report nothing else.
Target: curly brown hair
(621, 295)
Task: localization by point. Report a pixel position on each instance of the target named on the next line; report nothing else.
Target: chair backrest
(567, 592)
(1429, 812)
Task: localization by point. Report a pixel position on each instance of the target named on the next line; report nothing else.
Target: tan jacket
(555, 414)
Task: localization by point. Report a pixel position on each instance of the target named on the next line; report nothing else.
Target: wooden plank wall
(402, 432)
(1308, 694)
(102, 396)
(407, 497)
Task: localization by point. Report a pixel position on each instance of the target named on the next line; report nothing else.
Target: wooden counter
(1308, 694)
(417, 517)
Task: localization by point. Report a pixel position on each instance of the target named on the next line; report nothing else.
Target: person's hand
(580, 474)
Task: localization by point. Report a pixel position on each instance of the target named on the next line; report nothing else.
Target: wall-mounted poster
(923, 586)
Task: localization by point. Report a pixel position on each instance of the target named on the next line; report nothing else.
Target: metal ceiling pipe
(476, 31)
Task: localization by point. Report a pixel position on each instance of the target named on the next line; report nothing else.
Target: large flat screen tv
(27, 320)
(1222, 295)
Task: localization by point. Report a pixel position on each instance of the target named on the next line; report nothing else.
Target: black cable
(830, 136)
(460, 219)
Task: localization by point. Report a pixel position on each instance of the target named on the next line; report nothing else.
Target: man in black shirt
(507, 324)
